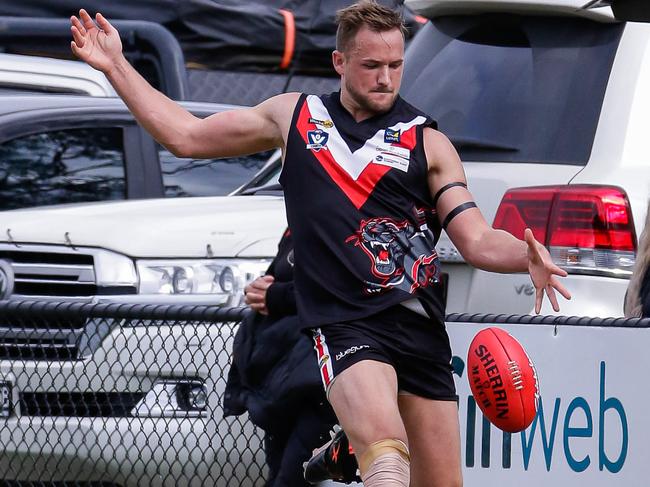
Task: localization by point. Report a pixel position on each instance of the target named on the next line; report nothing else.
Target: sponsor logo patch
(351, 350)
(317, 140)
(392, 136)
(395, 157)
(393, 162)
(328, 124)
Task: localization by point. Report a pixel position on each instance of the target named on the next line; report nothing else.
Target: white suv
(548, 104)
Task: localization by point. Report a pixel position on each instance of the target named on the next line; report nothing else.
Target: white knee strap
(378, 448)
(385, 463)
(389, 469)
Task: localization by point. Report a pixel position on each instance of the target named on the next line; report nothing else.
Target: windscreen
(508, 88)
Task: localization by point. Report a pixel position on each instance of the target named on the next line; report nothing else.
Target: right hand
(255, 294)
(98, 44)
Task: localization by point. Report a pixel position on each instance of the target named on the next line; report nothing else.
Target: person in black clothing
(637, 299)
(274, 377)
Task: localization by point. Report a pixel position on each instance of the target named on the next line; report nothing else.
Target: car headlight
(223, 278)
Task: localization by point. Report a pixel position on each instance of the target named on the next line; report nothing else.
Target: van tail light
(588, 229)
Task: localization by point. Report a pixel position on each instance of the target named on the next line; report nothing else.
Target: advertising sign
(592, 424)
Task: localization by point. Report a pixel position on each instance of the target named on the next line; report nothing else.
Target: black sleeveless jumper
(360, 212)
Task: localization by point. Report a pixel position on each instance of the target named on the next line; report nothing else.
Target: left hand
(542, 272)
(255, 294)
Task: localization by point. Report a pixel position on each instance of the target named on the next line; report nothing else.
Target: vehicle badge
(317, 140)
(392, 136)
(6, 279)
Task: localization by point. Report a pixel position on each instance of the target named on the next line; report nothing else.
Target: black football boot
(334, 460)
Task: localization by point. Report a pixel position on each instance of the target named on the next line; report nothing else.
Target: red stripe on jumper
(357, 191)
(408, 139)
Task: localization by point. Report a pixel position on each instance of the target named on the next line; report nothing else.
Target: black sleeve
(281, 299)
(284, 247)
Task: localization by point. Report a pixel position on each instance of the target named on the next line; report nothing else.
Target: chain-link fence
(120, 395)
(132, 395)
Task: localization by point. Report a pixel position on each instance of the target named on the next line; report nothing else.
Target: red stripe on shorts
(324, 359)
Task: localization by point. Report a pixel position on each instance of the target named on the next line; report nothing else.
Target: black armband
(445, 188)
(459, 209)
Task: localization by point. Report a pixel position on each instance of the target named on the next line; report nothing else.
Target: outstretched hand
(543, 273)
(98, 44)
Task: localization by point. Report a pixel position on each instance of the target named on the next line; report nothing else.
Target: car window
(62, 166)
(513, 88)
(208, 177)
(272, 176)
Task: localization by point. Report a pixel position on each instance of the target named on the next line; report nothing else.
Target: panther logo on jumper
(317, 140)
(400, 256)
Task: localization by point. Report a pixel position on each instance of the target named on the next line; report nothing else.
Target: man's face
(371, 69)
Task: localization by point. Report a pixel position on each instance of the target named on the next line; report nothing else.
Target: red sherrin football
(503, 380)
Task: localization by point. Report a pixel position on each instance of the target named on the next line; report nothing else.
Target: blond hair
(368, 13)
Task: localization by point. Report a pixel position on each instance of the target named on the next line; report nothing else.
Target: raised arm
(481, 245)
(221, 135)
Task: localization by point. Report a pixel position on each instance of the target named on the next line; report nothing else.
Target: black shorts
(416, 346)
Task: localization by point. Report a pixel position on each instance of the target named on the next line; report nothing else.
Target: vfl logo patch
(328, 124)
(392, 136)
(317, 140)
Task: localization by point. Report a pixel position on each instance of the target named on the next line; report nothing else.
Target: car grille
(23, 349)
(79, 404)
(45, 274)
(63, 273)
(51, 274)
(42, 339)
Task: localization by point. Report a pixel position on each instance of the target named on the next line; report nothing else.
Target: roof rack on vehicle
(149, 46)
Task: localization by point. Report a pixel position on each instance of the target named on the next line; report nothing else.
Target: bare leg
(364, 398)
(434, 441)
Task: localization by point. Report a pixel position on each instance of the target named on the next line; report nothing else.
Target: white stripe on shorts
(324, 358)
